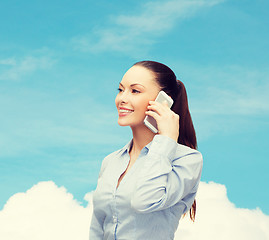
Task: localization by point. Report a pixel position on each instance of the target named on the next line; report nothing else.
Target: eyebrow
(134, 84)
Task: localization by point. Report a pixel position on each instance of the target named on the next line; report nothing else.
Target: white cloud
(8, 61)
(161, 16)
(218, 218)
(16, 68)
(129, 33)
(49, 212)
(44, 212)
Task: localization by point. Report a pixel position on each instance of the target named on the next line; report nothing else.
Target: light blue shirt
(152, 196)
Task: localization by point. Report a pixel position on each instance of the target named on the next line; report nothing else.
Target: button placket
(114, 213)
(114, 219)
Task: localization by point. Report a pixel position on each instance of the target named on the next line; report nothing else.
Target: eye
(120, 90)
(135, 91)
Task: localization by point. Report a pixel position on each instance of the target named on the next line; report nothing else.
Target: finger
(155, 103)
(162, 104)
(155, 115)
(165, 103)
(156, 109)
(159, 108)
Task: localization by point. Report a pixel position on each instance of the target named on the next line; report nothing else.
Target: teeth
(125, 111)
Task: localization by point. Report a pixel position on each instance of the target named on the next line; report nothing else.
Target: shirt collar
(148, 145)
(127, 147)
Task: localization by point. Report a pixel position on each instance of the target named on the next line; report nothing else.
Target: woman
(145, 187)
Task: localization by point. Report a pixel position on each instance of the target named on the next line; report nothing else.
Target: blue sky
(60, 65)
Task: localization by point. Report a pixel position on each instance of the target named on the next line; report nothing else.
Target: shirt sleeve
(170, 174)
(96, 228)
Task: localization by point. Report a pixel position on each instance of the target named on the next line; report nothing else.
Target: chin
(123, 124)
(130, 124)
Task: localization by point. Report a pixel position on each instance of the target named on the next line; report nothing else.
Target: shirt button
(114, 219)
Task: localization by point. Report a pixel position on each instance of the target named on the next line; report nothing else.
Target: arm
(170, 173)
(96, 225)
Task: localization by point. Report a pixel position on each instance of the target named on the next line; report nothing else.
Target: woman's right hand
(167, 120)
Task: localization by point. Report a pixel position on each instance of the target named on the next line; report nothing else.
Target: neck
(141, 137)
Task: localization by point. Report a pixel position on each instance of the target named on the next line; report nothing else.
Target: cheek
(143, 104)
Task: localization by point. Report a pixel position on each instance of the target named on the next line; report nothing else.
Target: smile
(125, 111)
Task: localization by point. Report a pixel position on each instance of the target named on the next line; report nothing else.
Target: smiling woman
(145, 187)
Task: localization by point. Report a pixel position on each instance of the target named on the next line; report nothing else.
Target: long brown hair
(176, 89)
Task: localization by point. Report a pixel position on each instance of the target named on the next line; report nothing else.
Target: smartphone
(149, 121)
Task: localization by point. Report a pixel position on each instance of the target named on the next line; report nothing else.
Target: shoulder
(185, 150)
(108, 159)
(114, 155)
(168, 147)
(188, 158)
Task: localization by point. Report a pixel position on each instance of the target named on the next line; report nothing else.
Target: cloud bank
(218, 218)
(47, 211)
(44, 212)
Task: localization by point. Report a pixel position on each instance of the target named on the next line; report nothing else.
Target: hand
(167, 120)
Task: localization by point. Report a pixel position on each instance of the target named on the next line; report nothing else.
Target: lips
(125, 111)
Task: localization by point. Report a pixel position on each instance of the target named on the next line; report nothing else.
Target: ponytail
(187, 134)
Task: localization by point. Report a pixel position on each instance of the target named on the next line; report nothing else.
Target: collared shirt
(149, 201)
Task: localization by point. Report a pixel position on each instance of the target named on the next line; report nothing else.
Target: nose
(122, 97)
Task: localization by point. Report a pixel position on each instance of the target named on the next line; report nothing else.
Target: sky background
(60, 65)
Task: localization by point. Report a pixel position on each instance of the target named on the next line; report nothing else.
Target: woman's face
(136, 89)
